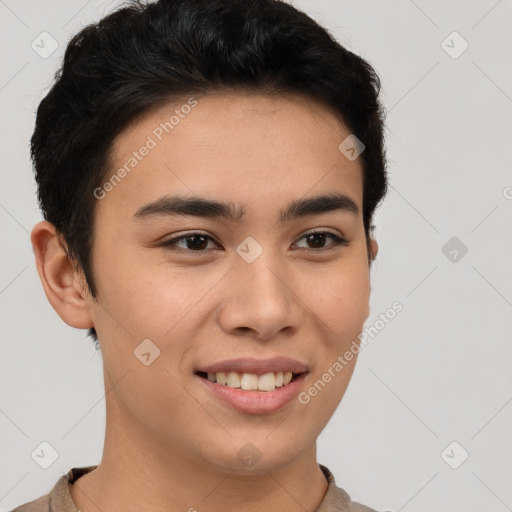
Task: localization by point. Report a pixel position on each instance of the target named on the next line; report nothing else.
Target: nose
(261, 301)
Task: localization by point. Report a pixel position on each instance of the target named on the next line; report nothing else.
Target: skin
(170, 444)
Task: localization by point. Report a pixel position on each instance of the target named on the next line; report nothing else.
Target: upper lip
(257, 366)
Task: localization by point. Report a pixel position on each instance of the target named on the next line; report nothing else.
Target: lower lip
(256, 402)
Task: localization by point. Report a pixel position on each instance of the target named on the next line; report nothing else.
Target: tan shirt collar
(59, 499)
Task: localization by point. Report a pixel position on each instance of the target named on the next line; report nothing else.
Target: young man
(208, 171)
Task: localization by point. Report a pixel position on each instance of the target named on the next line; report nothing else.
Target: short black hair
(143, 56)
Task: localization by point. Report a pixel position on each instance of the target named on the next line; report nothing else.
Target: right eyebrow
(196, 206)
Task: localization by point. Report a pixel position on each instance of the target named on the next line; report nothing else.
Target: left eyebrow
(315, 205)
(203, 207)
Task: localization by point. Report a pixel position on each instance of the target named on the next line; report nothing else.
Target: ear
(65, 288)
(374, 248)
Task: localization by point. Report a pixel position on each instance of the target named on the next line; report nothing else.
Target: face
(260, 276)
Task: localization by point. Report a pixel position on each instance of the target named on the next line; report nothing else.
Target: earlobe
(64, 288)
(373, 250)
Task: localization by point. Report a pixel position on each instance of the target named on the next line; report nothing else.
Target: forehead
(251, 146)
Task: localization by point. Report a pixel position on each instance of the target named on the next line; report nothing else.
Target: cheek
(154, 308)
(342, 305)
(146, 297)
(341, 299)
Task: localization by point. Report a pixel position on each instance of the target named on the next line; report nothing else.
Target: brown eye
(195, 242)
(317, 240)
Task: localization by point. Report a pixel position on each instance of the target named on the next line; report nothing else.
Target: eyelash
(338, 241)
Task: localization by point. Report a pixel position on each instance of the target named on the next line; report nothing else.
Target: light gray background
(438, 373)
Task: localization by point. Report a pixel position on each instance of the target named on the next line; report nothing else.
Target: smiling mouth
(250, 381)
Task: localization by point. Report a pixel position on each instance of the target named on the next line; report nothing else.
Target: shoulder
(337, 500)
(41, 504)
(58, 499)
(357, 507)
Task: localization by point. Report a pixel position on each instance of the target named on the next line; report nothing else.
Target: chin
(261, 453)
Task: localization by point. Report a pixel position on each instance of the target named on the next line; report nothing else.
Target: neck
(135, 475)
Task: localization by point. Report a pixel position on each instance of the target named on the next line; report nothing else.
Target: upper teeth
(251, 381)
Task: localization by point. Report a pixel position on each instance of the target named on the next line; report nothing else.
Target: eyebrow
(203, 207)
